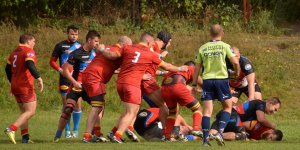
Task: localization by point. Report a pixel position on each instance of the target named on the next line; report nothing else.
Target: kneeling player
(174, 91)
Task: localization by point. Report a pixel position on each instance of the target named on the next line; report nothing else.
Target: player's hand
(40, 84)
(164, 54)
(147, 76)
(100, 47)
(77, 85)
(183, 68)
(233, 75)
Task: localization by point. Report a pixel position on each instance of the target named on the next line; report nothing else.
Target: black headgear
(165, 37)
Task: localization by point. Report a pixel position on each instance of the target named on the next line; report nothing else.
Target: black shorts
(64, 85)
(239, 91)
(233, 124)
(76, 94)
(154, 133)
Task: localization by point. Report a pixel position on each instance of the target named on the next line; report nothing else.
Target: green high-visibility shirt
(212, 57)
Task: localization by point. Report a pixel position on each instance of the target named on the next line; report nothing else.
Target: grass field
(276, 60)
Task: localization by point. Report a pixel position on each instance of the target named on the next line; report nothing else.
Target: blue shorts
(216, 89)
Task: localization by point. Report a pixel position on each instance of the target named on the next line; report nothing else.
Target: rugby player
(78, 60)
(61, 52)
(256, 109)
(94, 79)
(21, 72)
(174, 91)
(135, 60)
(212, 57)
(246, 82)
(259, 132)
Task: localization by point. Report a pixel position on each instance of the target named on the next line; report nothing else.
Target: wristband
(160, 56)
(161, 73)
(60, 70)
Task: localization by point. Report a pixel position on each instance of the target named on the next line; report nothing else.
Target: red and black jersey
(257, 130)
(247, 110)
(63, 49)
(21, 79)
(169, 78)
(146, 118)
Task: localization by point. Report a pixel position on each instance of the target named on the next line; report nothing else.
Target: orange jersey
(103, 68)
(21, 80)
(257, 130)
(135, 60)
(188, 75)
(153, 68)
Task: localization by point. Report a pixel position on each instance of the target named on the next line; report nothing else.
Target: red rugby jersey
(153, 68)
(188, 75)
(257, 131)
(103, 68)
(22, 81)
(135, 60)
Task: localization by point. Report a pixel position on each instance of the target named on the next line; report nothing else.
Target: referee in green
(211, 61)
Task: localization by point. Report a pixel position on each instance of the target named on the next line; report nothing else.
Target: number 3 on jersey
(136, 57)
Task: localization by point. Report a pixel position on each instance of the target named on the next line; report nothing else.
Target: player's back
(102, 67)
(21, 80)
(135, 60)
(188, 75)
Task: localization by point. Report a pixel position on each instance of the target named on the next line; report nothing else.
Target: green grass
(276, 60)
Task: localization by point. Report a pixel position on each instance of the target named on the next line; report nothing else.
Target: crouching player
(79, 60)
(174, 91)
(21, 72)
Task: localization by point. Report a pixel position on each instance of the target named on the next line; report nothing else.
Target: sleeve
(73, 58)
(229, 53)
(32, 69)
(246, 66)
(198, 58)
(260, 105)
(8, 71)
(30, 55)
(53, 63)
(156, 60)
(57, 51)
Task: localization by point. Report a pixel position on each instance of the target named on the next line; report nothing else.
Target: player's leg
(130, 132)
(195, 107)
(77, 113)
(156, 97)
(207, 112)
(63, 90)
(65, 116)
(24, 127)
(257, 94)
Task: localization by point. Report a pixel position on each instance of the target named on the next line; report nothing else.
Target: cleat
(101, 139)
(198, 133)
(206, 144)
(218, 137)
(11, 135)
(132, 136)
(75, 134)
(56, 139)
(25, 139)
(68, 134)
(114, 139)
(85, 140)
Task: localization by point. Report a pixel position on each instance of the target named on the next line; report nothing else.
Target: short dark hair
(24, 38)
(278, 134)
(145, 36)
(73, 27)
(275, 100)
(190, 63)
(92, 34)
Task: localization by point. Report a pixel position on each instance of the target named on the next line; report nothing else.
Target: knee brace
(67, 111)
(193, 106)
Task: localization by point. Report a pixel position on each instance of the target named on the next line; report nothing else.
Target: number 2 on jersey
(15, 59)
(136, 57)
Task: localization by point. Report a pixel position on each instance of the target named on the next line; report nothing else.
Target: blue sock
(76, 119)
(67, 128)
(224, 119)
(58, 133)
(205, 128)
(190, 137)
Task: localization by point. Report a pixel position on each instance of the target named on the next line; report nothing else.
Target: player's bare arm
(251, 86)
(66, 73)
(106, 53)
(263, 120)
(170, 67)
(236, 66)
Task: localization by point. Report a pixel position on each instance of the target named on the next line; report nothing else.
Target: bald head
(216, 30)
(124, 40)
(147, 38)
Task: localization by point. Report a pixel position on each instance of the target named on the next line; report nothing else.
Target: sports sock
(114, 130)
(87, 136)
(118, 135)
(130, 127)
(58, 133)
(67, 128)
(24, 131)
(205, 128)
(13, 127)
(169, 126)
(197, 118)
(224, 119)
(96, 131)
(76, 119)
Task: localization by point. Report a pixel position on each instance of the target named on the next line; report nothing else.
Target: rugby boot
(131, 135)
(11, 135)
